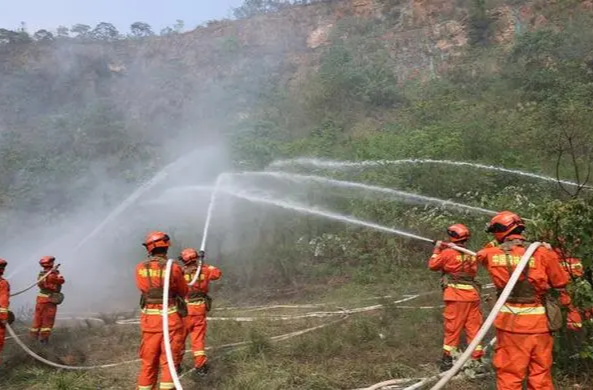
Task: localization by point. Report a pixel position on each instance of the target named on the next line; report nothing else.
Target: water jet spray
(319, 163)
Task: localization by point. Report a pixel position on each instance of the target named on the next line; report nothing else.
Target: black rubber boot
(202, 371)
(446, 363)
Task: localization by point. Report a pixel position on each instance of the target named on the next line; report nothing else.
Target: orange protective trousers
(195, 328)
(153, 356)
(520, 354)
(459, 316)
(2, 337)
(43, 321)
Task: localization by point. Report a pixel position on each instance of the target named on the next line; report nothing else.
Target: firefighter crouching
(150, 281)
(6, 315)
(198, 304)
(525, 322)
(461, 293)
(49, 297)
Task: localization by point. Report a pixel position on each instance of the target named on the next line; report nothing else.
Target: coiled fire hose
(38, 280)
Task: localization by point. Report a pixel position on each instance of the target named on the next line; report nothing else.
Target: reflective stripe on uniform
(200, 353)
(461, 286)
(40, 295)
(211, 267)
(45, 329)
(535, 310)
(3, 310)
(154, 312)
(572, 265)
(145, 387)
(34, 330)
(167, 385)
(576, 324)
(479, 348)
(195, 303)
(449, 348)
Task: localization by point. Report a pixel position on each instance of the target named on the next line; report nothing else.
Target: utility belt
(461, 279)
(154, 296)
(198, 297)
(55, 297)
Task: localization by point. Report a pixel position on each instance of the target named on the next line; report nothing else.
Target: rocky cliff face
(164, 79)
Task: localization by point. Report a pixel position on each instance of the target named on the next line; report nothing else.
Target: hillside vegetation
(86, 117)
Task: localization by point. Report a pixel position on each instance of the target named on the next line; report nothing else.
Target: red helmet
(503, 223)
(156, 239)
(188, 255)
(47, 261)
(458, 233)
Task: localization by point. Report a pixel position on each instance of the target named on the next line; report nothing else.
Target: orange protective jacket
(150, 274)
(456, 267)
(196, 306)
(53, 283)
(544, 272)
(572, 265)
(4, 298)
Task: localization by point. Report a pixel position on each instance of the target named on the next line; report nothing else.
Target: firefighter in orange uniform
(150, 275)
(48, 299)
(524, 340)
(198, 303)
(574, 268)
(5, 314)
(461, 293)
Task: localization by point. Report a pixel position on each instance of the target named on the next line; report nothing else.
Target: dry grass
(363, 349)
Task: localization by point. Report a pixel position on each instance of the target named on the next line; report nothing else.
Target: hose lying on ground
(281, 337)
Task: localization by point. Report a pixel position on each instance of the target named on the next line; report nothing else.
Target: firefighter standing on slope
(198, 304)
(150, 281)
(49, 297)
(5, 314)
(461, 293)
(525, 322)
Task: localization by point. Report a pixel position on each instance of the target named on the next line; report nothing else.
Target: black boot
(446, 363)
(202, 371)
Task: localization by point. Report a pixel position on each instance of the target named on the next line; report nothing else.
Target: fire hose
(166, 338)
(490, 320)
(446, 376)
(38, 280)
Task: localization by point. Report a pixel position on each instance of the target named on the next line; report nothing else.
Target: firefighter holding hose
(525, 323)
(198, 303)
(150, 275)
(461, 293)
(6, 315)
(49, 297)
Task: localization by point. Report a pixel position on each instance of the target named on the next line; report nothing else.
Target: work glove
(564, 298)
(439, 246)
(201, 255)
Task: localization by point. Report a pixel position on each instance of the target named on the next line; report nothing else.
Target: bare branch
(558, 162)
